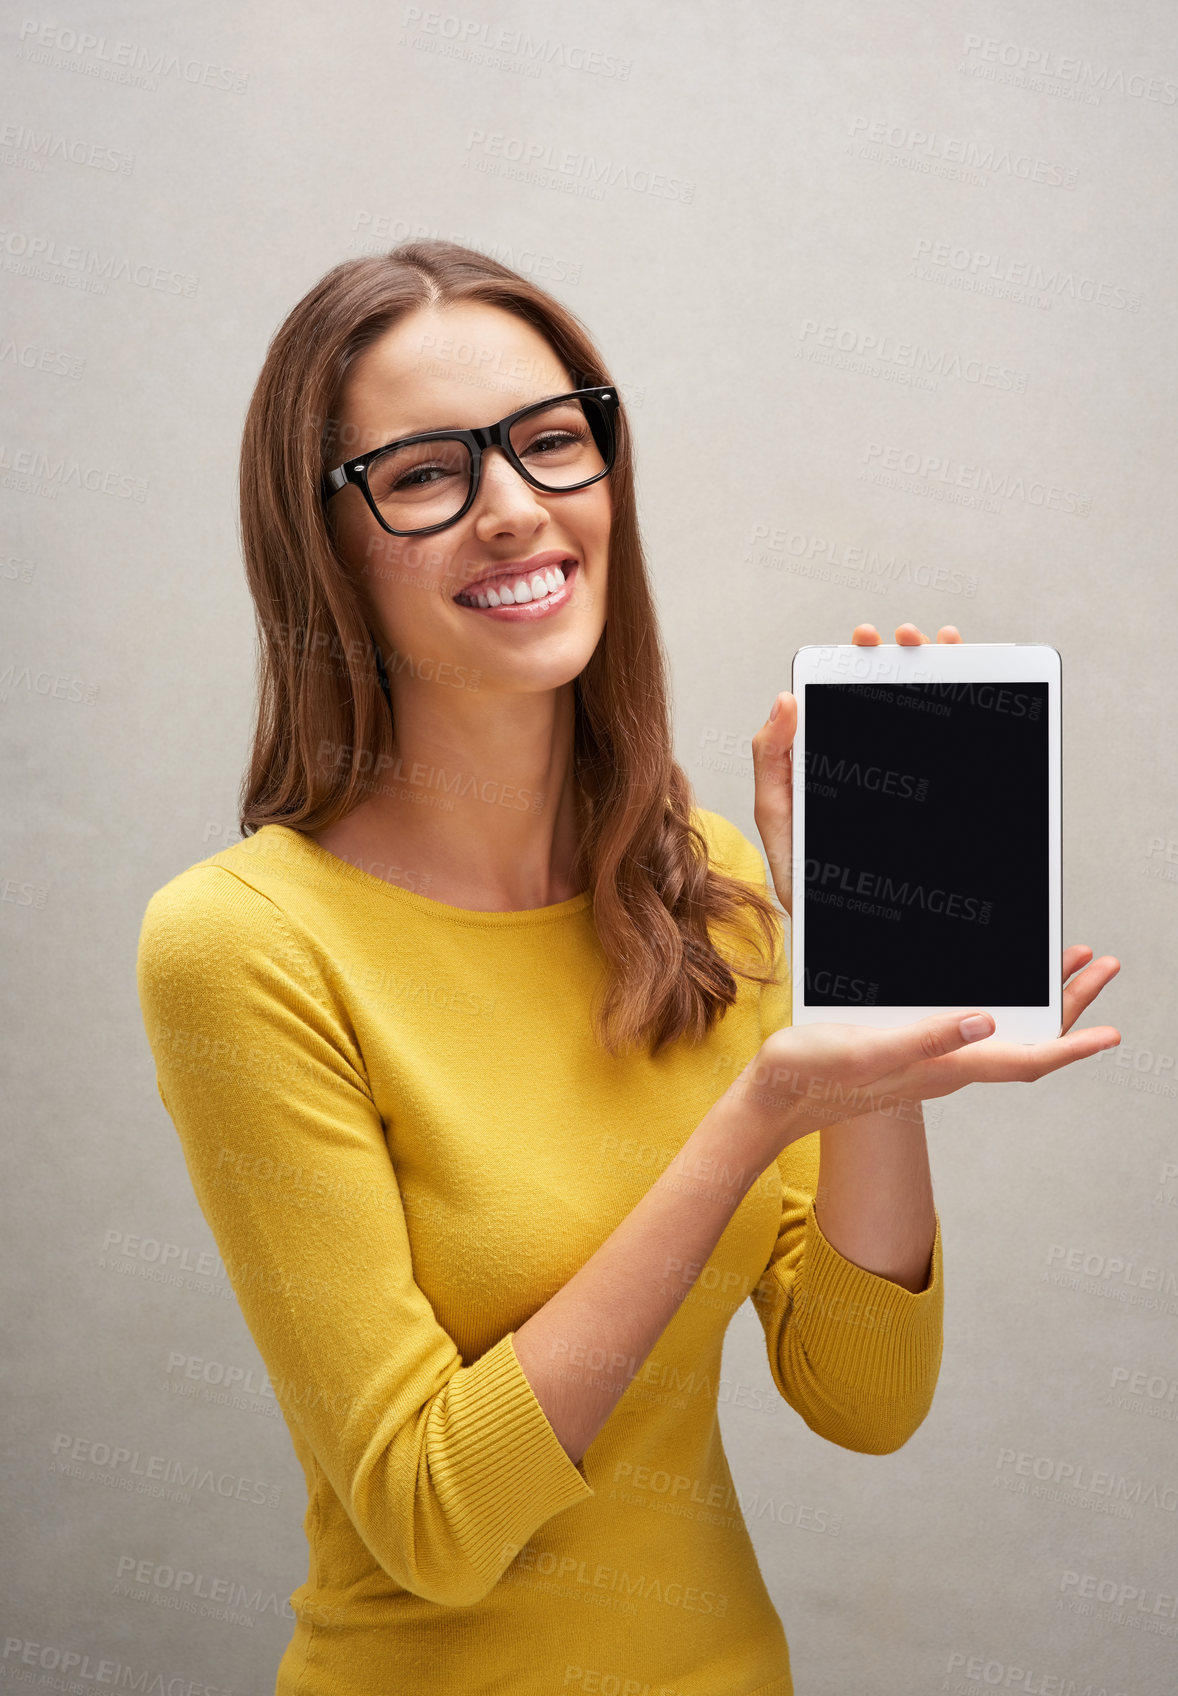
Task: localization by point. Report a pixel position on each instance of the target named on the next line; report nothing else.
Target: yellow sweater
(405, 1139)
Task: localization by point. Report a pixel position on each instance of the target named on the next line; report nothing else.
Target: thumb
(772, 748)
(941, 1033)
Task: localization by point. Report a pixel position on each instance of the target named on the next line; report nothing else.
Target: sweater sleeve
(445, 1468)
(856, 1355)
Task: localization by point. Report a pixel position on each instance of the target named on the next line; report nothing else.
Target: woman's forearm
(581, 1349)
(874, 1201)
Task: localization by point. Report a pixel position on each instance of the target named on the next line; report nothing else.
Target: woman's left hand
(773, 808)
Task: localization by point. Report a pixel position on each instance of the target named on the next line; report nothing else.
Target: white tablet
(926, 835)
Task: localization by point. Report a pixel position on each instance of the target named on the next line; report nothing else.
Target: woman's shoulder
(729, 849)
(231, 884)
(207, 922)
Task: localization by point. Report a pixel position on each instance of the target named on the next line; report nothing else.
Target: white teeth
(524, 589)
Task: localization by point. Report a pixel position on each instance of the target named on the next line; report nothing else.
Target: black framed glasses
(423, 483)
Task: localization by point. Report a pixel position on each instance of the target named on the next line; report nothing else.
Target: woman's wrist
(760, 1111)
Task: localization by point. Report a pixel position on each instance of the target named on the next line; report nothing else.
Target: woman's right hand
(804, 1076)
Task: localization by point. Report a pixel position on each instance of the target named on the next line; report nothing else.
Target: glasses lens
(421, 484)
(561, 443)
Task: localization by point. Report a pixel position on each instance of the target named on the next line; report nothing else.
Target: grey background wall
(910, 270)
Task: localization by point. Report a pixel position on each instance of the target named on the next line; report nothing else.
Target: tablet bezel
(934, 662)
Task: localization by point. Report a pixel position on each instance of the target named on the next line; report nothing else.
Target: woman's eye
(553, 440)
(420, 475)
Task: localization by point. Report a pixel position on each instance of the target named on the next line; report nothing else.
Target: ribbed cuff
(864, 1331)
(503, 1459)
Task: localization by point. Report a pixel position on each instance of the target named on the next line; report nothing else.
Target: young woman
(478, 1044)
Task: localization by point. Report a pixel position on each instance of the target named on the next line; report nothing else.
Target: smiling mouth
(548, 583)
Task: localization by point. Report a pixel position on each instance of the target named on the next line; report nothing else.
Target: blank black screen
(926, 844)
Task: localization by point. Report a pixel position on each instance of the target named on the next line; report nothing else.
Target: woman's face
(462, 366)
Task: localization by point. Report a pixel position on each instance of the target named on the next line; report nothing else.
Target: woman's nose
(503, 493)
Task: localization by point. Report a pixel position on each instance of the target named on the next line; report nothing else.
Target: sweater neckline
(346, 872)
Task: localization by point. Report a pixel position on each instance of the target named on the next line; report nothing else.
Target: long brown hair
(655, 894)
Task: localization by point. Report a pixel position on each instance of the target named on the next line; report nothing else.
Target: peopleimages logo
(938, 473)
(55, 362)
(482, 41)
(537, 158)
(838, 987)
(42, 474)
(984, 1670)
(1027, 273)
(820, 556)
(81, 1457)
(434, 784)
(34, 148)
(821, 769)
(963, 150)
(376, 231)
(1118, 1595)
(1040, 66)
(1074, 1475)
(119, 61)
(83, 267)
(877, 886)
(881, 350)
(183, 1582)
(1115, 1267)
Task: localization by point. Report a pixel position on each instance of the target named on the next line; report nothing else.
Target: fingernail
(775, 709)
(977, 1025)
